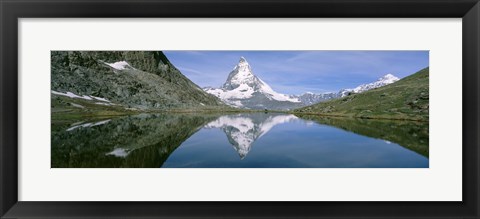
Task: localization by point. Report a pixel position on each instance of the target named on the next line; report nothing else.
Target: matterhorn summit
(241, 75)
(244, 89)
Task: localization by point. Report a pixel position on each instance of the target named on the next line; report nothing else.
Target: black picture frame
(12, 10)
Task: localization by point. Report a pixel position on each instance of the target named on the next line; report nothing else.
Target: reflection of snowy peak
(244, 89)
(385, 80)
(242, 131)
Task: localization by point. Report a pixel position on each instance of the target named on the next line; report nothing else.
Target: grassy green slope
(407, 99)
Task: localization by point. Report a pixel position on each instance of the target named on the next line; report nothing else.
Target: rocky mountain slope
(127, 79)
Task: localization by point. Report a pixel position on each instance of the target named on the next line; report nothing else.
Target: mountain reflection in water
(243, 130)
(259, 140)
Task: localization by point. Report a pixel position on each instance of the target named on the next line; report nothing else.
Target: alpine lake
(241, 140)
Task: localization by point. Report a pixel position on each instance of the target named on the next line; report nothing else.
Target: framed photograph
(234, 109)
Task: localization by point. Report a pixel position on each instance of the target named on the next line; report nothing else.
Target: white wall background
(442, 181)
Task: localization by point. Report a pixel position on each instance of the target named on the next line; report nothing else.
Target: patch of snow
(102, 103)
(88, 125)
(121, 65)
(71, 95)
(119, 152)
(58, 93)
(77, 105)
(101, 99)
(102, 122)
(79, 126)
(85, 97)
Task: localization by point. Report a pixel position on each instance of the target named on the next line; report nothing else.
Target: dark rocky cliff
(149, 81)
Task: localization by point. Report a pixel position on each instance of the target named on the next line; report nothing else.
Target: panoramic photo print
(240, 109)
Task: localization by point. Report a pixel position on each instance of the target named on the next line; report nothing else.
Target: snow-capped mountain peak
(388, 78)
(243, 65)
(384, 80)
(244, 89)
(242, 61)
(241, 74)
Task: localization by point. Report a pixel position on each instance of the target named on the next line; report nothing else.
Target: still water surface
(256, 140)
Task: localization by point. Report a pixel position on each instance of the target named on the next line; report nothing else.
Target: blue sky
(296, 72)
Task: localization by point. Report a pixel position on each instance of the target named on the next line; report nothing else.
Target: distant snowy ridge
(309, 98)
(384, 80)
